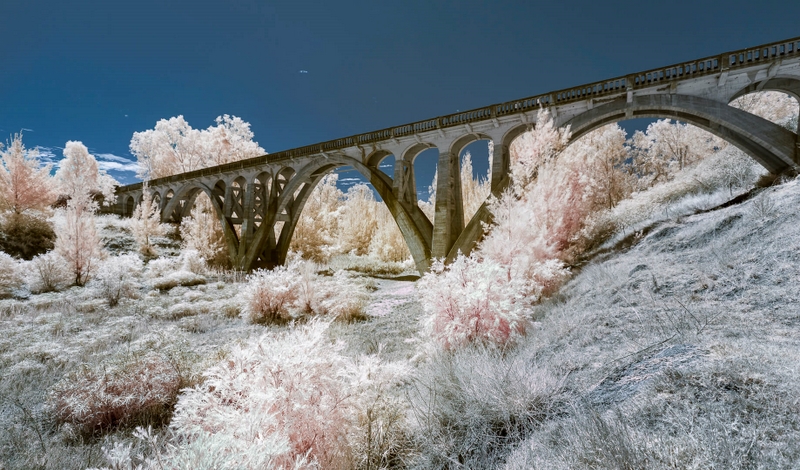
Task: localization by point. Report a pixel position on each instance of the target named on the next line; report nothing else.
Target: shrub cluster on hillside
(289, 292)
(567, 198)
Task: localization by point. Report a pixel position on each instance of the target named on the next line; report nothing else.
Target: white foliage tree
(229, 141)
(774, 106)
(79, 176)
(77, 241)
(474, 191)
(202, 232)
(173, 146)
(358, 220)
(146, 222)
(387, 242)
(315, 233)
(667, 148)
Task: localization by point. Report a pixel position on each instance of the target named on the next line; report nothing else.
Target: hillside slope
(682, 351)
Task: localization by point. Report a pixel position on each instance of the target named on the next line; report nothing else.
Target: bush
(187, 270)
(25, 236)
(9, 275)
(270, 404)
(342, 298)
(140, 391)
(269, 295)
(116, 278)
(476, 301)
(47, 273)
(471, 407)
(193, 261)
(178, 278)
(297, 289)
(201, 231)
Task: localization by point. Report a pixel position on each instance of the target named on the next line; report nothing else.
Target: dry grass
(139, 392)
(680, 352)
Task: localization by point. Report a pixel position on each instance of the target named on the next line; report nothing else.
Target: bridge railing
(603, 89)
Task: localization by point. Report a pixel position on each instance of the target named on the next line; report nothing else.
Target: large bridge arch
(416, 229)
(773, 146)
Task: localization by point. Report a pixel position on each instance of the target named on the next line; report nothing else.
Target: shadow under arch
(297, 190)
(771, 145)
(128, 206)
(174, 211)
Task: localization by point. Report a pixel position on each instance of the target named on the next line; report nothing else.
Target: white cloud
(345, 180)
(112, 158)
(46, 154)
(116, 166)
(26, 130)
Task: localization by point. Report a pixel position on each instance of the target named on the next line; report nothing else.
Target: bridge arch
(262, 196)
(128, 205)
(459, 144)
(416, 229)
(180, 204)
(411, 153)
(788, 85)
(773, 146)
(374, 159)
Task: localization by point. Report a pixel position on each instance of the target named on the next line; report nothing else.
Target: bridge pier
(448, 220)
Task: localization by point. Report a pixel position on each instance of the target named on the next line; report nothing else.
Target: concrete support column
(404, 186)
(227, 201)
(248, 219)
(449, 211)
(501, 163)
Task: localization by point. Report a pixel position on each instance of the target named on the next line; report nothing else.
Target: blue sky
(98, 71)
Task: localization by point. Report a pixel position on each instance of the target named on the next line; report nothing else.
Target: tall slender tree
(146, 222)
(79, 179)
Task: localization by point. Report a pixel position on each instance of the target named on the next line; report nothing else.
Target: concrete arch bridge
(258, 201)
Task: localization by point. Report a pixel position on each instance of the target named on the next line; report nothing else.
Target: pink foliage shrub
(277, 401)
(555, 191)
(481, 301)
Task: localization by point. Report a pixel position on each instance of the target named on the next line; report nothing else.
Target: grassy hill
(677, 347)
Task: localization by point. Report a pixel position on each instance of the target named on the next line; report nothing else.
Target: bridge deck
(606, 88)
